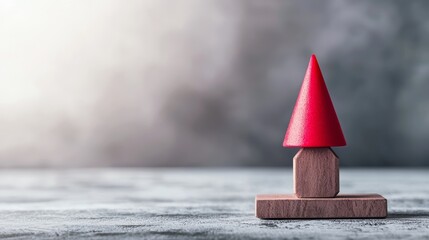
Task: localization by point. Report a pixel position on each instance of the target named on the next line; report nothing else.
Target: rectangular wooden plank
(342, 206)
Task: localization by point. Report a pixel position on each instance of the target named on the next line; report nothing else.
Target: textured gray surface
(194, 204)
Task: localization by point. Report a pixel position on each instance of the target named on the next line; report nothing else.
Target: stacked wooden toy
(314, 127)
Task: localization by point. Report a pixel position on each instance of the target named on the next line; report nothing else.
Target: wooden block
(342, 206)
(316, 173)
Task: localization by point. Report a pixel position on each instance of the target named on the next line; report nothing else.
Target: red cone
(314, 122)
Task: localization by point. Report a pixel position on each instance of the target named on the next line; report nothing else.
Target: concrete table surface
(195, 204)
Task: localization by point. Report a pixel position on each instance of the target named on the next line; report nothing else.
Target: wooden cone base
(279, 206)
(316, 173)
(316, 184)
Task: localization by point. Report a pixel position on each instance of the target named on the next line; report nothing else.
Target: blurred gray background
(207, 83)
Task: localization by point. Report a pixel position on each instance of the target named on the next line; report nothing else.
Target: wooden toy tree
(314, 127)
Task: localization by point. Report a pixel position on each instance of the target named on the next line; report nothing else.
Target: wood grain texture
(316, 173)
(342, 206)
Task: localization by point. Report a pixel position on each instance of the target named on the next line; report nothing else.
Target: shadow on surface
(408, 215)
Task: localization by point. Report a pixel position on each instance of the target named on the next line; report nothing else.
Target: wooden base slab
(341, 206)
